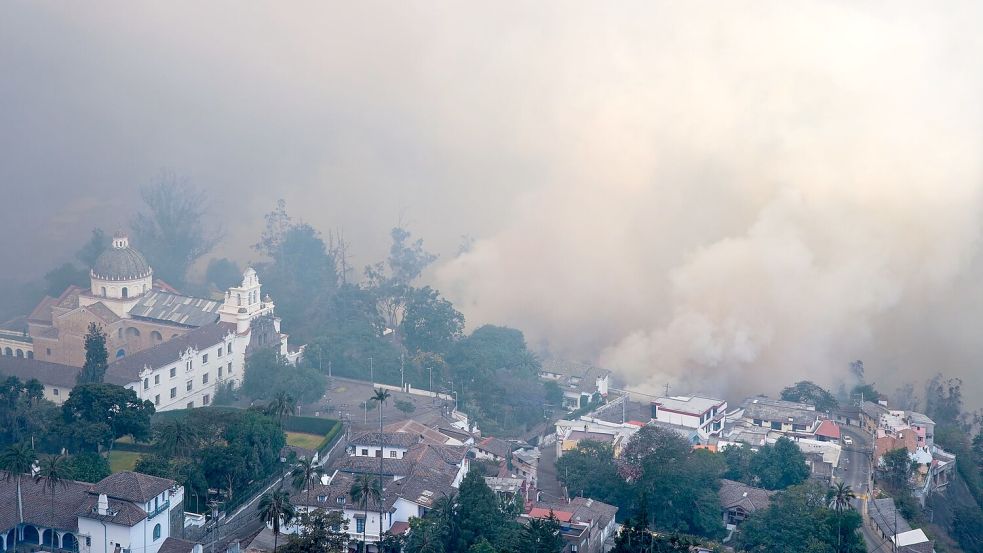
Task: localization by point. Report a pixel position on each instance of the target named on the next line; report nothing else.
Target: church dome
(121, 262)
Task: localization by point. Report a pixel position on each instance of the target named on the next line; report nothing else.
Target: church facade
(173, 350)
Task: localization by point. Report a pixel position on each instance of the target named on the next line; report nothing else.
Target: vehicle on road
(847, 440)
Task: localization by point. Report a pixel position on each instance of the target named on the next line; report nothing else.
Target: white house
(391, 445)
(706, 415)
(126, 512)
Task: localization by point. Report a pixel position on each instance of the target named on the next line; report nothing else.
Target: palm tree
(839, 497)
(276, 509)
(176, 438)
(380, 396)
(281, 406)
(362, 491)
(53, 474)
(18, 460)
(305, 474)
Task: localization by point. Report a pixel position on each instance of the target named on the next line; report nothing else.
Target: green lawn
(306, 441)
(123, 460)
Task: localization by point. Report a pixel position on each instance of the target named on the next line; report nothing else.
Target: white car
(847, 440)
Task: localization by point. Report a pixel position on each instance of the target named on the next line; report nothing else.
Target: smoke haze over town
(726, 207)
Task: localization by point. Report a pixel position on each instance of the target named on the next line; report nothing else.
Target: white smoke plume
(753, 197)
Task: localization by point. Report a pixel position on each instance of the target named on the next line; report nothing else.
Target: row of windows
(205, 399)
(173, 373)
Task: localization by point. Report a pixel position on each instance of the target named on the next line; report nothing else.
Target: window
(230, 367)
(365, 452)
(219, 352)
(359, 524)
(220, 373)
(392, 454)
(157, 399)
(146, 383)
(341, 500)
(125, 293)
(228, 348)
(156, 379)
(191, 405)
(88, 539)
(54, 391)
(120, 353)
(156, 337)
(205, 399)
(204, 359)
(103, 295)
(173, 393)
(204, 378)
(189, 385)
(48, 351)
(173, 372)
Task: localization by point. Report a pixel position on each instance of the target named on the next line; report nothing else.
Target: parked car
(847, 440)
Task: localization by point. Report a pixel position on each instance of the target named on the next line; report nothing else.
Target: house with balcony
(579, 382)
(126, 512)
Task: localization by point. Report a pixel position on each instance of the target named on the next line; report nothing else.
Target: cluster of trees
(386, 328)
(962, 434)
(215, 448)
(659, 476)
(773, 467)
(809, 518)
(475, 521)
(268, 374)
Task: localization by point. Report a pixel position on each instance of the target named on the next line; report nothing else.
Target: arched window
(120, 353)
(125, 292)
(132, 332)
(8, 351)
(155, 336)
(157, 532)
(20, 353)
(103, 291)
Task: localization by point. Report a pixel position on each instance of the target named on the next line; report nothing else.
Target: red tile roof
(829, 429)
(539, 512)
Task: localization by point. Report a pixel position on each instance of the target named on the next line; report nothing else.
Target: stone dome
(121, 262)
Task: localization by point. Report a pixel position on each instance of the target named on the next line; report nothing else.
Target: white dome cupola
(121, 272)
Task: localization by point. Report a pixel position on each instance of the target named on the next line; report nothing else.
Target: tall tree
(53, 473)
(305, 474)
(839, 497)
(90, 252)
(96, 356)
(479, 513)
(275, 509)
(365, 490)
(380, 396)
(407, 260)
(172, 231)
(430, 324)
(281, 406)
(18, 460)
(88, 467)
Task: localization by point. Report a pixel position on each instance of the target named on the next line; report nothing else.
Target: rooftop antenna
(667, 389)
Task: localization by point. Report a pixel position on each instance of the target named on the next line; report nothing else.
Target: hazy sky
(726, 196)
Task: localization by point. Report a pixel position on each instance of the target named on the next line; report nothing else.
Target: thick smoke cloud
(763, 197)
(723, 196)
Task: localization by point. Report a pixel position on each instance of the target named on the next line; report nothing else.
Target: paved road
(854, 469)
(546, 474)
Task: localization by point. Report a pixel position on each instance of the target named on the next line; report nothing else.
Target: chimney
(102, 507)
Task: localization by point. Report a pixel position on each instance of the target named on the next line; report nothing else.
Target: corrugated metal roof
(175, 308)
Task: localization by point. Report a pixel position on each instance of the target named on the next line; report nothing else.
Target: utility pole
(371, 372)
(667, 389)
(402, 379)
(433, 398)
